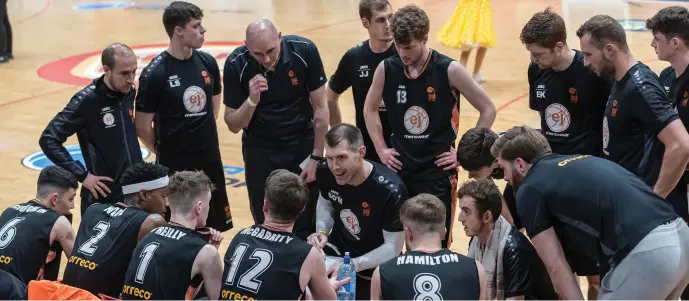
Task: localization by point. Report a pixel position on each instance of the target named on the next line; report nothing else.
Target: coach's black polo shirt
(637, 111)
(284, 115)
(607, 209)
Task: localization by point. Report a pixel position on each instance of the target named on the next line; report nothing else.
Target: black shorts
(582, 265)
(445, 188)
(219, 213)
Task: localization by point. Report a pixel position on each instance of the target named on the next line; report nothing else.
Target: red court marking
(46, 5)
(511, 101)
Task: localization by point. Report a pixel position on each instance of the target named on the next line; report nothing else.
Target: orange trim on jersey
(192, 291)
(455, 118)
(453, 204)
(51, 256)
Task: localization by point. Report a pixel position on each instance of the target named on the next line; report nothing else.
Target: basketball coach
(275, 93)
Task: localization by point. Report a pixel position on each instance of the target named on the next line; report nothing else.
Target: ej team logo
(416, 120)
(557, 118)
(81, 69)
(194, 99)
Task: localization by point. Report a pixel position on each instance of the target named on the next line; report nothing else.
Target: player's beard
(607, 67)
(516, 180)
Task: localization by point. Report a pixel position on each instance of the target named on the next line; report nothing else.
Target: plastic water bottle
(347, 291)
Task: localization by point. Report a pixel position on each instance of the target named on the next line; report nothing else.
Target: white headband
(150, 185)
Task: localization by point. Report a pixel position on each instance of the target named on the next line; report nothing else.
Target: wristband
(324, 232)
(317, 158)
(251, 103)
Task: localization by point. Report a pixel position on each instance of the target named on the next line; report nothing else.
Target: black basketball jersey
(25, 240)
(356, 70)
(362, 212)
(423, 114)
(103, 248)
(570, 103)
(180, 93)
(263, 264)
(161, 265)
(442, 275)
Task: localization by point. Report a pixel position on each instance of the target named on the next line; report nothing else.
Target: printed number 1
(401, 96)
(147, 255)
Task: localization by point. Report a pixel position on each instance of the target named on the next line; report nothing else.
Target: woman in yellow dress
(471, 26)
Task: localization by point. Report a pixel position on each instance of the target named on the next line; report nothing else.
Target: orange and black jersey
(263, 264)
(103, 248)
(25, 249)
(180, 93)
(161, 265)
(356, 70)
(571, 103)
(423, 114)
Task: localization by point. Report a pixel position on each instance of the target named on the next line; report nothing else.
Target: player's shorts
(219, 213)
(445, 188)
(582, 265)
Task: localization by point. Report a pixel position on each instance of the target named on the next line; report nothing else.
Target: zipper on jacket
(124, 131)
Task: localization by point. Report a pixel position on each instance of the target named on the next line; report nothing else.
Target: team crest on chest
(292, 77)
(431, 94)
(613, 112)
(573, 97)
(194, 101)
(206, 78)
(557, 118)
(350, 221)
(416, 120)
(685, 98)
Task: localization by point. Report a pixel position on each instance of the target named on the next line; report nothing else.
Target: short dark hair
(179, 13)
(410, 23)
(473, 149)
(424, 213)
(367, 7)
(545, 29)
(107, 57)
(184, 189)
(486, 195)
(671, 22)
(604, 30)
(521, 142)
(344, 132)
(54, 178)
(286, 194)
(142, 172)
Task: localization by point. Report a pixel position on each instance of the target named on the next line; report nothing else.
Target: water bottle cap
(346, 258)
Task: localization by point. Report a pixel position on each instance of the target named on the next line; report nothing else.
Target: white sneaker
(479, 78)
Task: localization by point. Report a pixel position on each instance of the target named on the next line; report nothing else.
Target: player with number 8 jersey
(108, 233)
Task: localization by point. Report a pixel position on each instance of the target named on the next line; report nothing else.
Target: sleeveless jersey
(107, 235)
(423, 114)
(161, 265)
(263, 264)
(443, 275)
(25, 240)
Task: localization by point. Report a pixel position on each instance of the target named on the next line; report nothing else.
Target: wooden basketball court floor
(57, 46)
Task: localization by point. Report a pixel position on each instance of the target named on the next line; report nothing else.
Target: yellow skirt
(471, 26)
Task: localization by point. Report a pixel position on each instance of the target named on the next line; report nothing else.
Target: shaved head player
(179, 92)
(570, 99)
(275, 95)
(427, 271)
(356, 69)
(421, 88)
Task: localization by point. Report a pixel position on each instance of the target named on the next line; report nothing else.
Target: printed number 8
(427, 287)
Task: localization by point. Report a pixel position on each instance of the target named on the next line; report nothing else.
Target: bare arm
(333, 106)
(376, 292)
(475, 95)
(316, 279)
(209, 265)
(516, 298)
(144, 129)
(237, 119)
(63, 233)
(676, 140)
(371, 105)
(320, 119)
(549, 249)
(482, 281)
(216, 105)
(151, 222)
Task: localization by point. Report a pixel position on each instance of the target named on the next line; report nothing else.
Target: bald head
(116, 49)
(261, 29)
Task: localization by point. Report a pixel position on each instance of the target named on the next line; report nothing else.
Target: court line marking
(47, 5)
(35, 96)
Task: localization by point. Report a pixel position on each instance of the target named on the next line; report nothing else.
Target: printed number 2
(8, 232)
(147, 255)
(427, 287)
(89, 247)
(401, 96)
(248, 280)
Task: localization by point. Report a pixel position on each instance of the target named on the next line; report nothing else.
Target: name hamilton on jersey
(427, 259)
